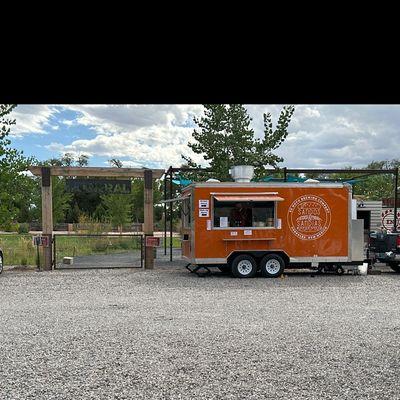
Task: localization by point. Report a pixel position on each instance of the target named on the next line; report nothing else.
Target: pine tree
(225, 138)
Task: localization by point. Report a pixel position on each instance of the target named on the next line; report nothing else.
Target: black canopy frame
(365, 172)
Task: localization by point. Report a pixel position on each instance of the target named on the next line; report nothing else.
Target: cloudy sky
(321, 136)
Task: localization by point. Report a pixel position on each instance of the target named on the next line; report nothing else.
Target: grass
(19, 249)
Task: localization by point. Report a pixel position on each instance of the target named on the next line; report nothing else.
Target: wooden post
(171, 215)
(165, 214)
(47, 217)
(148, 216)
(396, 182)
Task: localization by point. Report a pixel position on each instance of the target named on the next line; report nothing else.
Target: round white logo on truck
(309, 217)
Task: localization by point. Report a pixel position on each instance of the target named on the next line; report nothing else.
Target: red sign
(41, 241)
(388, 219)
(152, 241)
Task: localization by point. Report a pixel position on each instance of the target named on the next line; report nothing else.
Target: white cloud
(69, 122)
(110, 119)
(156, 135)
(154, 145)
(31, 119)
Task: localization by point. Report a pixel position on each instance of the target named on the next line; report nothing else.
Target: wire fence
(98, 251)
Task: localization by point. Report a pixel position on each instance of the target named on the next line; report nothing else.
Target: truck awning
(254, 197)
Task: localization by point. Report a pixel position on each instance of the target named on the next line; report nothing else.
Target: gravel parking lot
(167, 334)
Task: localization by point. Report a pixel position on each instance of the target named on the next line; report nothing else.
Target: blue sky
(321, 136)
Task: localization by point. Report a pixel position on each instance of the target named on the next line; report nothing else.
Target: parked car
(1, 261)
(385, 247)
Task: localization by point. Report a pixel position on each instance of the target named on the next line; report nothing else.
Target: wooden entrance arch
(47, 201)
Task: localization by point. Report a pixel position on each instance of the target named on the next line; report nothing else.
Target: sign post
(148, 218)
(47, 217)
(42, 241)
(152, 241)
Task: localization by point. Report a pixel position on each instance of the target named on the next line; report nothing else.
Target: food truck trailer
(245, 227)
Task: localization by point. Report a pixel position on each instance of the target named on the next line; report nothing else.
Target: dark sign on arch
(100, 186)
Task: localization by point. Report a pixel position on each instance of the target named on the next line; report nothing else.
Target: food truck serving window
(242, 211)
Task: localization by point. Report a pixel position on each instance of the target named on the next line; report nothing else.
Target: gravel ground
(167, 334)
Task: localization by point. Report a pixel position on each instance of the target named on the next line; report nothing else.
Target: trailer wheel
(244, 266)
(1, 263)
(395, 266)
(272, 266)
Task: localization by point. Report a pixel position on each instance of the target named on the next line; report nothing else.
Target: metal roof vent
(242, 173)
(310, 180)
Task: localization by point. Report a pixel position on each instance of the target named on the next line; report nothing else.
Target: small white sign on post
(204, 213)
(204, 204)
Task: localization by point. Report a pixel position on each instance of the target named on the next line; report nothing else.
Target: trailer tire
(272, 266)
(1, 262)
(395, 266)
(244, 266)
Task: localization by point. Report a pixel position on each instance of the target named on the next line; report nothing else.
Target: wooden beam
(47, 218)
(148, 217)
(98, 171)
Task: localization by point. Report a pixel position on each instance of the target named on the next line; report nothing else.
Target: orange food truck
(245, 227)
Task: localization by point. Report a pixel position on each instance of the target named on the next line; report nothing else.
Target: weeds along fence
(92, 251)
(18, 249)
(83, 245)
(89, 227)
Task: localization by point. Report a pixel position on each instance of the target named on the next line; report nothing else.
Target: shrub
(124, 245)
(11, 227)
(24, 261)
(100, 246)
(23, 228)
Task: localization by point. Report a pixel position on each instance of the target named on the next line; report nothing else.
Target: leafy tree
(100, 213)
(273, 138)
(118, 208)
(73, 213)
(225, 139)
(69, 205)
(61, 198)
(15, 185)
(67, 159)
(137, 210)
(377, 187)
(370, 187)
(114, 162)
(83, 160)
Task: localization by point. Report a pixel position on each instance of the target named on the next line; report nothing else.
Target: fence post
(148, 216)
